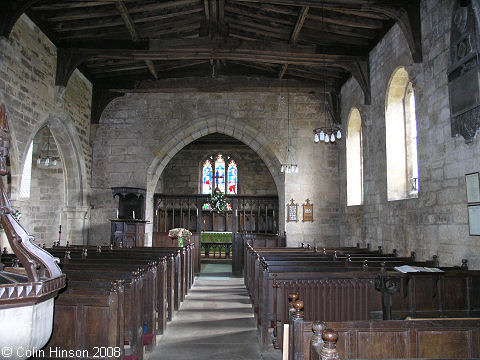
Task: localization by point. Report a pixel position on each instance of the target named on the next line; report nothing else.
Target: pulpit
(128, 232)
(128, 229)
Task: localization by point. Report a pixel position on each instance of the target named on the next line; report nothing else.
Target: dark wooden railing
(217, 250)
(246, 214)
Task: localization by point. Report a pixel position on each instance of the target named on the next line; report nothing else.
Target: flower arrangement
(179, 233)
(218, 201)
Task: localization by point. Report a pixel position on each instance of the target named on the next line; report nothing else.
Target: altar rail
(217, 250)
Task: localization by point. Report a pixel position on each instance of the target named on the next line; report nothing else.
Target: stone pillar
(74, 223)
(149, 216)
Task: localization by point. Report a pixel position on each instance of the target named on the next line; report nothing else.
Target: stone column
(149, 216)
(74, 223)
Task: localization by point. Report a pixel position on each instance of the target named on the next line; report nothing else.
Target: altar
(216, 244)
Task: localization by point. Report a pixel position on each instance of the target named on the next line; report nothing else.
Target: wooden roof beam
(338, 18)
(204, 49)
(409, 21)
(122, 9)
(82, 15)
(201, 48)
(209, 84)
(302, 15)
(351, 4)
(100, 99)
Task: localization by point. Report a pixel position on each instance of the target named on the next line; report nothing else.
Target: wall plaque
(292, 211)
(464, 71)
(472, 184)
(474, 219)
(307, 211)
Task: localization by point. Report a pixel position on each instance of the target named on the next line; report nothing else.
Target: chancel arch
(401, 137)
(197, 176)
(354, 149)
(206, 126)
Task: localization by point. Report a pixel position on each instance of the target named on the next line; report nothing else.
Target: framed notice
(307, 211)
(292, 211)
(474, 219)
(472, 184)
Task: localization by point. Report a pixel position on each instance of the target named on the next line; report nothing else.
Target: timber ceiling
(217, 45)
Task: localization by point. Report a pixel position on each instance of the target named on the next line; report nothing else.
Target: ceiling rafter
(217, 84)
(122, 9)
(302, 15)
(127, 41)
(79, 15)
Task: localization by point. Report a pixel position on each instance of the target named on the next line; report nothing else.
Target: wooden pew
(148, 296)
(93, 273)
(89, 321)
(165, 274)
(389, 339)
(271, 281)
(181, 267)
(133, 291)
(143, 275)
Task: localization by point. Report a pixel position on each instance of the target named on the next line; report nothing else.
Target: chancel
(230, 179)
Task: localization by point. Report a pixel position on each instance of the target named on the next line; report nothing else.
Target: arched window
(232, 177)
(401, 138)
(354, 159)
(207, 184)
(26, 174)
(218, 175)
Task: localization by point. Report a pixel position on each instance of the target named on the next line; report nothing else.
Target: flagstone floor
(215, 322)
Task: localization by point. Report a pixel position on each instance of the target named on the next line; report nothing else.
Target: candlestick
(134, 214)
(117, 213)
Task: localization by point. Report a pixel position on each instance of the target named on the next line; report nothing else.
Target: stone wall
(139, 134)
(437, 222)
(27, 87)
(183, 173)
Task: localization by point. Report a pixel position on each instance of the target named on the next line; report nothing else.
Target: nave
(215, 321)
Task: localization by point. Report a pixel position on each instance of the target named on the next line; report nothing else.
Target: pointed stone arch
(75, 207)
(213, 123)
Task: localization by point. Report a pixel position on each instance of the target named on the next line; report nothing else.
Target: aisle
(215, 322)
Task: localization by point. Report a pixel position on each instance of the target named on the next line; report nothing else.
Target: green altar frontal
(217, 237)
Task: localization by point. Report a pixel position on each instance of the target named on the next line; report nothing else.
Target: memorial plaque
(292, 211)
(472, 184)
(307, 211)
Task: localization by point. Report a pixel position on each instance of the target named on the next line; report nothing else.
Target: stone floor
(215, 322)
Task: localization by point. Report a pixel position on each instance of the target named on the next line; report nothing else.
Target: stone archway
(75, 209)
(214, 123)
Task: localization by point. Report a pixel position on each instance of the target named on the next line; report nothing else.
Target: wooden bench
(133, 292)
(165, 274)
(335, 288)
(90, 320)
(387, 339)
(139, 277)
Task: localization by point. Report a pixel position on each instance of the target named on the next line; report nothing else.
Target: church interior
(318, 128)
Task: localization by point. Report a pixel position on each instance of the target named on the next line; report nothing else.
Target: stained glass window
(216, 173)
(220, 173)
(207, 178)
(232, 177)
